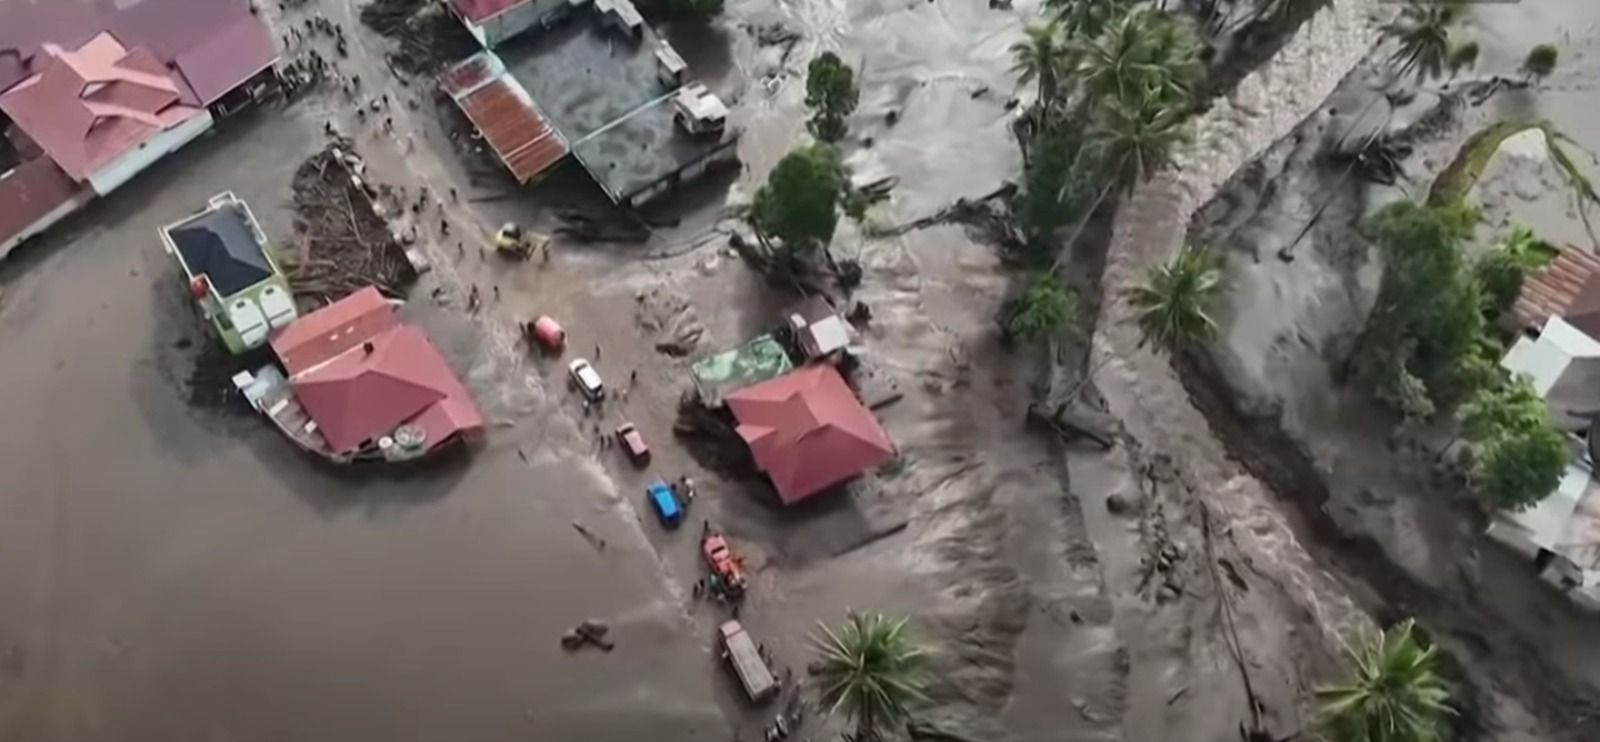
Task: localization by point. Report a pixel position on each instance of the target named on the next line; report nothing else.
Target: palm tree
(1145, 51)
(1085, 19)
(1393, 694)
(1041, 56)
(1132, 140)
(872, 670)
(1173, 304)
(1423, 30)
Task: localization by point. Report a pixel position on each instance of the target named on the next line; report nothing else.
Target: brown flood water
(174, 573)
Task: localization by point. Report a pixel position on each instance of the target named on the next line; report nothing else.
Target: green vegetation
(1047, 306)
(1501, 272)
(1423, 32)
(799, 204)
(1085, 19)
(1458, 178)
(1173, 304)
(1393, 693)
(1462, 57)
(871, 669)
(1540, 62)
(1041, 57)
(1428, 315)
(831, 93)
(1519, 453)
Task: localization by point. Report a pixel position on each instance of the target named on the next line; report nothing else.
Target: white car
(586, 379)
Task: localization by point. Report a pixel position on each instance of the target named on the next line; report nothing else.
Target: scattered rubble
(344, 242)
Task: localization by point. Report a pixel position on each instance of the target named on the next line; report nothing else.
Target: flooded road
(179, 573)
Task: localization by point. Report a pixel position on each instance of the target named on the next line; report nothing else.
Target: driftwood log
(1073, 423)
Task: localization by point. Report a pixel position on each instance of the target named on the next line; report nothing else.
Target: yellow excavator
(513, 242)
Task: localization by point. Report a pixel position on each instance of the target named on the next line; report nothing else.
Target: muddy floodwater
(172, 570)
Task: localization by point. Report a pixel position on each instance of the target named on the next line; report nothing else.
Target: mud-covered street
(172, 569)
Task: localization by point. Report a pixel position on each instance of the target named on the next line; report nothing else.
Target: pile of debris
(429, 37)
(345, 243)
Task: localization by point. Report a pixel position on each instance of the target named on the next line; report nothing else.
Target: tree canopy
(871, 669)
(799, 204)
(1392, 694)
(1043, 57)
(1423, 33)
(1519, 453)
(1045, 307)
(1501, 271)
(1173, 304)
(831, 93)
(1428, 314)
(1541, 61)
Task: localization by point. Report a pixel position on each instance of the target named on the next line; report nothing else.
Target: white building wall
(146, 153)
(516, 20)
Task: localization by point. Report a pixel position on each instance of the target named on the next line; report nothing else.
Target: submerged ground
(174, 572)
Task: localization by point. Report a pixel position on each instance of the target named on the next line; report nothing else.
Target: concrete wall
(146, 153)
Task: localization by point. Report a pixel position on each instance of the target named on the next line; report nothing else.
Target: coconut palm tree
(1392, 695)
(1144, 51)
(1041, 56)
(1132, 140)
(871, 669)
(1423, 30)
(1173, 304)
(1085, 19)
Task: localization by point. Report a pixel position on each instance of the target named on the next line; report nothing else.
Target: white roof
(1567, 522)
(830, 334)
(1545, 358)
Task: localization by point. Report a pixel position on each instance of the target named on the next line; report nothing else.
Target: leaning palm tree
(1392, 695)
(1173, 305)
(1423, 30)
(1043, 57)
(871, 669)
(1132, 141)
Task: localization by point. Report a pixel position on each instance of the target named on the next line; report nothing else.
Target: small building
(807, 431)
(819, 332)
(34, 195)
(590, 80)
(1559, 353)
(366, 386)
(231, 272)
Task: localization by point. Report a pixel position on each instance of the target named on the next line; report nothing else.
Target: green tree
(1393, 692)
(1520, 454)
(1501, 272)
(871, 669)
(1145, 54)
(832, 95)
(1428, 314)
(1086, 19)
(1423, 32)
(1173, 304)
(1041, 56)
(1131, 141)
(799, 204)
(1541, 62)
(1046, 306)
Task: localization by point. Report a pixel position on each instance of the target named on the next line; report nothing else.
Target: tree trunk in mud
(1077, 229)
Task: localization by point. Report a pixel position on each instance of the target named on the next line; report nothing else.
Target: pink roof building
(807, 430)
(86, 106)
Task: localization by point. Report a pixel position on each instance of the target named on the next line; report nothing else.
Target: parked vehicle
(742, 654)
(723, 563)
(586, 379)
(546, 333)
(664, 503)
(633, 444)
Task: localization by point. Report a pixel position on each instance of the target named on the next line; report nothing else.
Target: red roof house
(807, 430)
(87, 105)
(330, 331)
(360, 374)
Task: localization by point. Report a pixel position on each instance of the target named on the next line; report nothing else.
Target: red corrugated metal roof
(514, 129)
(30, 191)
(322, 335)
(1558, 288)
(479, 11)
(362, 395)
(807, 431)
